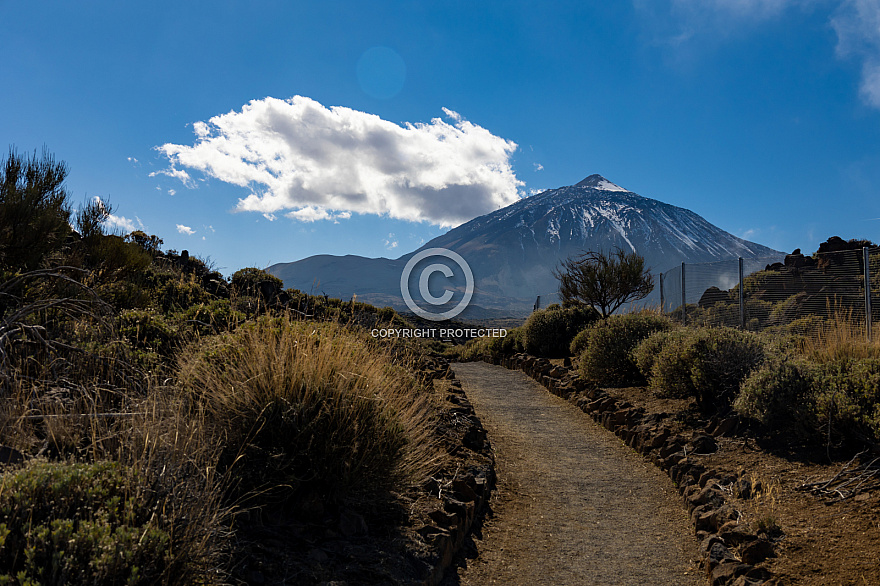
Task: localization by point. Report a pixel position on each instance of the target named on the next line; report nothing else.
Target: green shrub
(607, 357)
(210, 318)
(254, 282)
(385, 314)
(80, 524)
(549, 332)
(147, 331)
(645, 354)
(848, 394)
(579, 342)
(180, 293)
(812, 399)
(780, 394)
(706, 363)
(302, 409)
(475, 349)
(512, 343)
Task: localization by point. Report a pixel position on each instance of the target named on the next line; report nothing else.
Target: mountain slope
(513, 251)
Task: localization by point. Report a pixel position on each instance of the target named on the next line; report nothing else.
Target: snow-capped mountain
(513, 251)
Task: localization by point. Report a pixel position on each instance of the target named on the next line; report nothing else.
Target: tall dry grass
(301, 410)
(840, 339)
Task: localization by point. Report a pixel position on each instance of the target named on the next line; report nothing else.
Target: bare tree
(604, 281)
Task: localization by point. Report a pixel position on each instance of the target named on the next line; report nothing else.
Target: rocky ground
(819, 538)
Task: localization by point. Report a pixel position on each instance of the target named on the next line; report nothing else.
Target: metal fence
(793, 293)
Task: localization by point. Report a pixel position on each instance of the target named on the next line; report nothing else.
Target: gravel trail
(574, 505)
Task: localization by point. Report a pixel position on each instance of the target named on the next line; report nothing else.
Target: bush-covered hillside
(149, 406)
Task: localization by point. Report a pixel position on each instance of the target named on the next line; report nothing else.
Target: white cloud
(171, 192)
(132, 160)
(391, 244)
(314, 213)
(326, 163)
(536, 191)
(857, 24)
(539, 167)
(180, 174)
(185, 230)
(114, 222)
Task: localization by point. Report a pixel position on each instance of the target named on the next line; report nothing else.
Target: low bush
(210, 318)
(180, 293)
(848, 398)
(308, 410)
(512, 343)
(254, 282)
(780, 394)
(81, 524)
(607, 358)
(645, 354)
(474, 349)
(579, 342)
(708, 364)
(147, 331)
(549, 332)
(828, 402)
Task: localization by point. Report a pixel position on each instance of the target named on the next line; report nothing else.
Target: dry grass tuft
(841, 339)
(305, 410)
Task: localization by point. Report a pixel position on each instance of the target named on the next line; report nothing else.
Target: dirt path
(574, 505)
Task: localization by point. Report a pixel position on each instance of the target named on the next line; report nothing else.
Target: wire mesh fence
(794, 293)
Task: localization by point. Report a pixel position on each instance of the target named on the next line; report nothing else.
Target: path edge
(713, 519)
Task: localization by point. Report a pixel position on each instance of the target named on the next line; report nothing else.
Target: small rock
(757, 551)
(733, 534)
(725, 572)
(670, 448)
(702, 443)
(706, 477)
(718, 553)
(443, 519)
(707, 543)
(707, 496)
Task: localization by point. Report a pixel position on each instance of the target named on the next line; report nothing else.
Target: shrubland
(147, 402)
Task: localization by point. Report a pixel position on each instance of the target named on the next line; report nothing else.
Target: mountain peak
(596, 181)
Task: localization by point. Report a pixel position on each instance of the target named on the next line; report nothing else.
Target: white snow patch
(608, 186)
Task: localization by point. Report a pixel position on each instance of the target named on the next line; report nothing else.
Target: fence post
(742, 299)
(683, 304)
(867, 257)
(662, 303)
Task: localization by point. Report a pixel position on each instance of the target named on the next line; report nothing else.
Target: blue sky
(260, 132)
